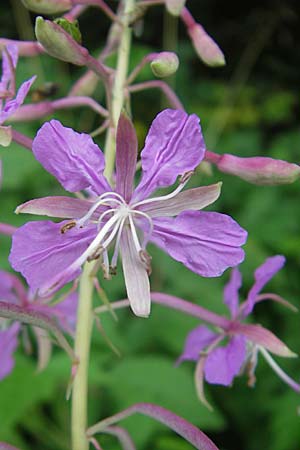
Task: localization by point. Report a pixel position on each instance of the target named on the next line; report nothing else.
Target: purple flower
(10, 100)
(220, 364)
(51, 254)
(13, 292)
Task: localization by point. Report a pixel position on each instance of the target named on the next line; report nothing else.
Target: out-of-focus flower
(13, 292)
(10, 100)
(51, 254)
(243, 342)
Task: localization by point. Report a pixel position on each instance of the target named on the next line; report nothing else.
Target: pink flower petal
(224, 363)
(205, 242)
(71, 157)
(174, 146)
(40, 251)
(262, 275)
(197, 340)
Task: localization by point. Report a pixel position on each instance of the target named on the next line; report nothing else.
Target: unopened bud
(5, 136)
(48, 6)
(165, 64)
(174, 7)
(260, 170)
(205, 46)
(58, 43)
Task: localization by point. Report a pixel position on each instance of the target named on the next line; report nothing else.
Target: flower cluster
(222, 355)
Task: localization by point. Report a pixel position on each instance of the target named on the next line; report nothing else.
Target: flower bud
(58, 43)
(174, 7)
(5, 136)
(165, 64)
(259, 170)
(205, 46)
(48, 6)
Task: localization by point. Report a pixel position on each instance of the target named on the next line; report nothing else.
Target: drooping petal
(196, 341)
(174, 146)
(40, 251)
(64, 207)
(71, 157)
(12, 105)
(205, 242)
(136, 277)
(8, 344)
(126, 156)
(231, 292)
(191, 199)
(224, 363)
(262, 276)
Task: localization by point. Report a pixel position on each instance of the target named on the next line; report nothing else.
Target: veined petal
(262, 276)
(126, 156)
(224, 363)
(231, 292)
(191, 199)
(136, 277)
(196, 341)
(8, 344)
(174, 146)
(65, 207)
(12, 105)
(41, 252)
(205, 242)
(71, 157)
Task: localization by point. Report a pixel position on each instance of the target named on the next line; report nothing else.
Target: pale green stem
(118, 87)
(80, 441)
(82, 351)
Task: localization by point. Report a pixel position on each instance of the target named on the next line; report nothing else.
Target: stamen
(114, 259)
(113, 233)
(288, 380)
(67, 226)
(134, 235)
(96, 254)
(149, 233)
(81, 222)
(105, 265)
(109, 211)
(146, 260)
(105, 194)
(163, 197)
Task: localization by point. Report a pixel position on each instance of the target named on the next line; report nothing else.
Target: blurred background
(249, 107)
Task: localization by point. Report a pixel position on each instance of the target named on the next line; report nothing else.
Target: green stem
(84, 316)
(82, 351)
(118, 87)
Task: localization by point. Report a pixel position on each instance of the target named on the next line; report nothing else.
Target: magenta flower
(51, 254)
(13, 293)
(10, 101)
(221, 364)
